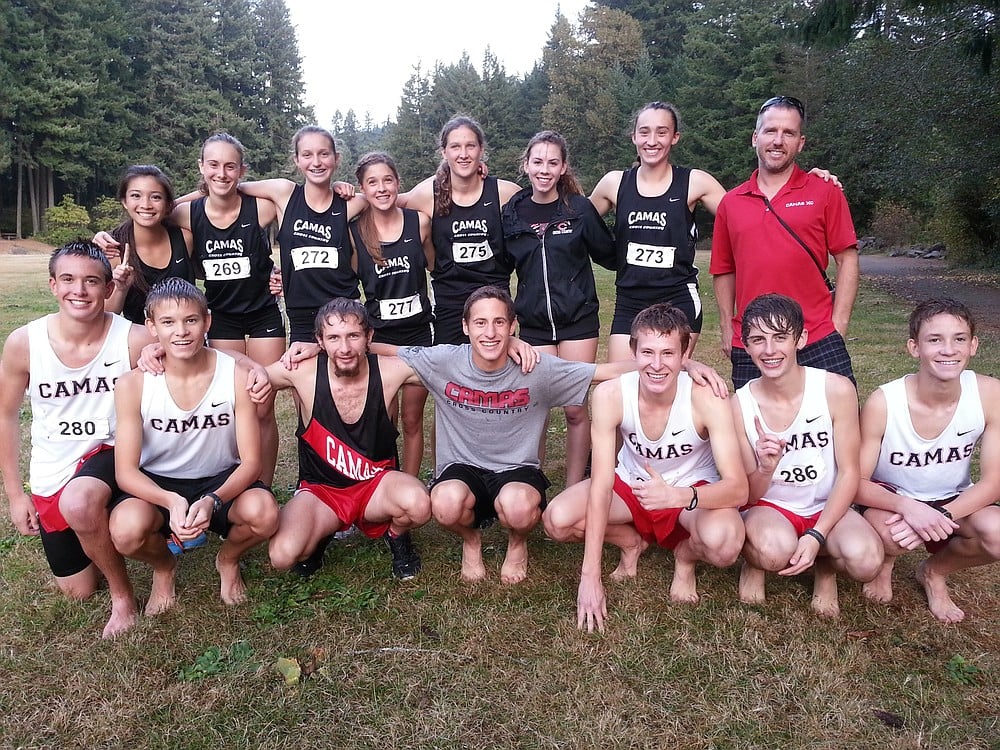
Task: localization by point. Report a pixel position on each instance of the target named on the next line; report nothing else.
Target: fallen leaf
(289, 669)
(889, 719)
(429, 632)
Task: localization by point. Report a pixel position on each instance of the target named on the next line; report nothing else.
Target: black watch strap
(216, 501)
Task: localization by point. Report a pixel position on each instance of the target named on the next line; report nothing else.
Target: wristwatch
(694, 498)
(216, 501)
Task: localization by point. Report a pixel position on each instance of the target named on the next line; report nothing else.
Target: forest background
(903, 101)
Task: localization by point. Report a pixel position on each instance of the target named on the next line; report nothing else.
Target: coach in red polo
(776, 233)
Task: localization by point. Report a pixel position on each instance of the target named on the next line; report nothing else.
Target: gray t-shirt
(493, 420)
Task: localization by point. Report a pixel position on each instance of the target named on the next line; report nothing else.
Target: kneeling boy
(348, 467)
(188, 451)
(800, 450)
(678, 480)
(918, 435)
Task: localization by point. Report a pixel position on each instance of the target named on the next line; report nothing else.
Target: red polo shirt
(750, 242)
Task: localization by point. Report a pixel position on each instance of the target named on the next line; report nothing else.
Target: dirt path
(914, 279)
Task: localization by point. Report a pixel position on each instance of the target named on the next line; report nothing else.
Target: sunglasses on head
(790, 101)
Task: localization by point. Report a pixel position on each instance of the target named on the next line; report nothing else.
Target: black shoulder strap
(822, 271)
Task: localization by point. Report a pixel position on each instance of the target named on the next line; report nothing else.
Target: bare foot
(879, 589)
(628, 566)
(751, 587)
(825, 601)
(473, 569)
(515, 563)
(123, 616)
(938, 598)
(162, 594)
(233, 589)
(684, 589)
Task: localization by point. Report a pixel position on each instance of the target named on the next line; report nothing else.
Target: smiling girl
(153, 247)
(551, 233)
(316, 261)
(393, 254)
(464, 207)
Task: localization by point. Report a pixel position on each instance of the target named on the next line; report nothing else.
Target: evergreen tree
(279, 110)
(59, 121)
(741, 52)
(664, 25)
(172, 51)
(597, 74)
(412, 138)
(973, 24)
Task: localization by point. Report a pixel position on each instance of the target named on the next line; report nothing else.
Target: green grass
(434, 663)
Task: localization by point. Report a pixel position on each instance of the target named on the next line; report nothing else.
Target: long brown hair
(442, 177)
(366, 222)
(124, 233)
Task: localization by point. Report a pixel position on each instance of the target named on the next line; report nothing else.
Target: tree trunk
(20, 199)
(33, 197)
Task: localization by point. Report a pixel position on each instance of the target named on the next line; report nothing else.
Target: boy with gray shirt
(490, 421)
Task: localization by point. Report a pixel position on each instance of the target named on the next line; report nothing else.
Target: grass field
(434, 663)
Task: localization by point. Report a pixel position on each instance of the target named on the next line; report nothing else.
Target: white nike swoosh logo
(488, 203)
(179, 260)
(336, 213)
(271, 330)
(674, 200)
(244, 226)
(408, 239)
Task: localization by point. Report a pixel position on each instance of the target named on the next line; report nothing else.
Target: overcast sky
(357, 55)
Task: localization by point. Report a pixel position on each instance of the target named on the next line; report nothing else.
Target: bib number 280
(80, 429)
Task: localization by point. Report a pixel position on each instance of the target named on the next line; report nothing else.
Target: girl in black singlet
(230, 244)
(465, 210)
(394, 251)
(152, 248)
(316, 260)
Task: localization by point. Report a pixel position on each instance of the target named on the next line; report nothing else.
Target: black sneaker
(314, 562)
(405, 558)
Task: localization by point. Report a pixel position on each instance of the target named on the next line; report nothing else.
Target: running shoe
(308, 567)
(405, 558)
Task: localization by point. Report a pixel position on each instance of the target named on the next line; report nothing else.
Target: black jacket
(555, 281)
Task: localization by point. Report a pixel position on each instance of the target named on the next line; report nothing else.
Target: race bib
(471, 252)
(650, 256)
(80, 429)
(398, 309)
(226, 269)
(315, 257)
(807, 468)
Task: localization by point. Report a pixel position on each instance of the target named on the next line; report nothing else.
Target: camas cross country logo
(487, 400)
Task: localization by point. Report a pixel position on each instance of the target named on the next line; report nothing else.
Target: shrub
(967, 220)
(107, 214)
(894, 224)
(65, 222)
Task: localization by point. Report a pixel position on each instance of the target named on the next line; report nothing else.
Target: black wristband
(815, 534)
(943, 510)
(216, 501)
(694, 498)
